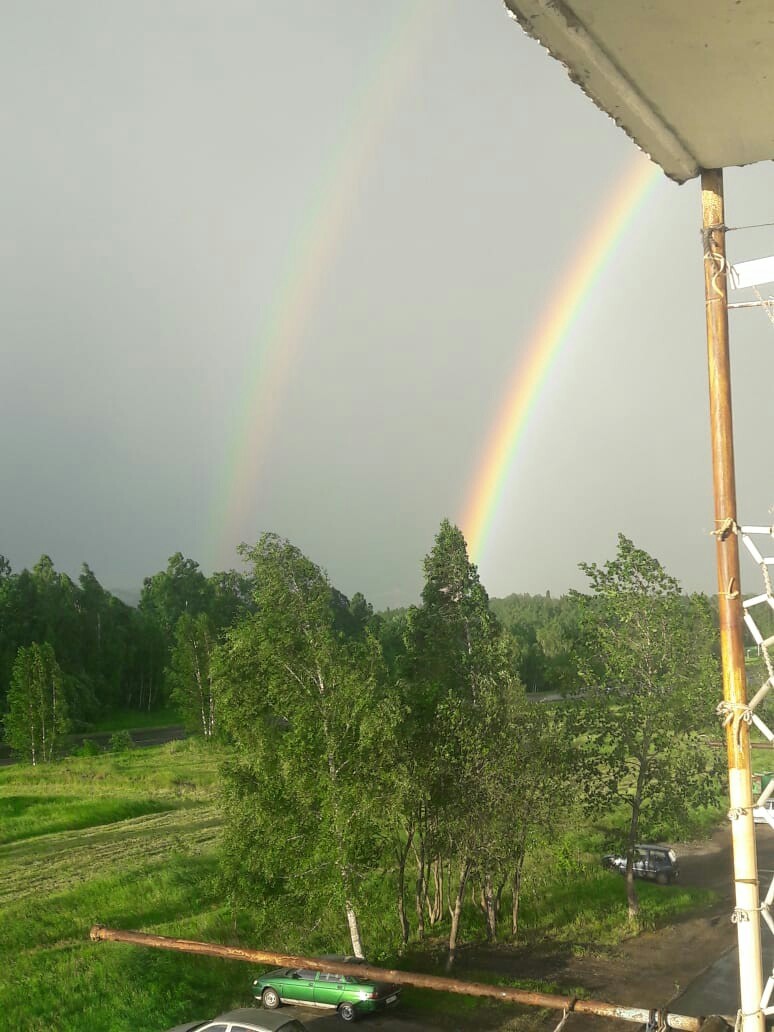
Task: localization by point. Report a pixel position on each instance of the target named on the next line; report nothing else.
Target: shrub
(87, 748)
(120, 741)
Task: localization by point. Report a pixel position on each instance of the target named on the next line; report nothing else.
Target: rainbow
(311, 254)
(545, 344)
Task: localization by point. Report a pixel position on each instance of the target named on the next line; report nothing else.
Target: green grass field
(130, 841)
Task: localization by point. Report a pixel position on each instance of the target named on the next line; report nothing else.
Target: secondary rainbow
(545, 345)
(285, 320)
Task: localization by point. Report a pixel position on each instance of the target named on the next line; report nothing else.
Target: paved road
(716, 991)
(329, 1021)
(141, 738)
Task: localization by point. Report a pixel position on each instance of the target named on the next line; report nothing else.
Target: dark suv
(656, 863)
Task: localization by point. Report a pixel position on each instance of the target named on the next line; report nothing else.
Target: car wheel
(270, 999)
(347, 1012)
(662, 878)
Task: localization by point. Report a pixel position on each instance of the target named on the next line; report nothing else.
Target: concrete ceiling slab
(690, 81)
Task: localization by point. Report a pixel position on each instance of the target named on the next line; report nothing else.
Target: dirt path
(651, 969)
(141, 737)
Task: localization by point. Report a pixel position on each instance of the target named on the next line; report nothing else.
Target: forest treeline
(396, 749)
(114, 656)
(111, 656)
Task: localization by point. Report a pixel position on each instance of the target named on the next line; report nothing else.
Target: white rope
(565, 1016)
(735, 714)
(719, 265)
(765, 305)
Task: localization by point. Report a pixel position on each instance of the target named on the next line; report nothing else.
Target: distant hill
(131, 596)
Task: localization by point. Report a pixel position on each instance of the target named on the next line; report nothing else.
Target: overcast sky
(269, 266)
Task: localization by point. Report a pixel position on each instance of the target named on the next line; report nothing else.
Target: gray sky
(398, 188)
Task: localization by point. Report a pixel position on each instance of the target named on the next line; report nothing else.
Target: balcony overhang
(690, 81)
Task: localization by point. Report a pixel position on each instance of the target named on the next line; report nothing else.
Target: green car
(350, 995)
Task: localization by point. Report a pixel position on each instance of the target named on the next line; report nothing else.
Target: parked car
(656, 863)
(350, 995)
(245, 1019)
(764, 814)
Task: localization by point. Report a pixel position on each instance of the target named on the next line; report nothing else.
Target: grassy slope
(130, 840)
(142, 857)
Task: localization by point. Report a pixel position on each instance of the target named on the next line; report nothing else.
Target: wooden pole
(637, 1015)
(746, 912)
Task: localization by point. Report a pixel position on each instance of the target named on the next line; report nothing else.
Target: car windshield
(292, 1026)
(672, 855)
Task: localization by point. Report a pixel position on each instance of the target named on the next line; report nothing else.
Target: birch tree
(306, 707)
(37, 711)
(190, 673)
(462, 666)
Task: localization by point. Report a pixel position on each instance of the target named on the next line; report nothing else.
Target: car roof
(262, 1019)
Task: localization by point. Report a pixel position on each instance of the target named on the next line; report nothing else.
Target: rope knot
(731, 591)
(719, 263)
(727, 526)
(734, 714)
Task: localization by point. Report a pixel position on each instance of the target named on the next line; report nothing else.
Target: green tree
(651, 680)
(147, 658)
(37, 712)
(467, 702)
(166, 596)
(56, 610)
(307, 710)
(190, 673)
(181, 588)
(110, 653)
(546, 633)
(230, 597)
(107, 643)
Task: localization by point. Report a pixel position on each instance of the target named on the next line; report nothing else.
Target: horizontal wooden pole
(446, 985)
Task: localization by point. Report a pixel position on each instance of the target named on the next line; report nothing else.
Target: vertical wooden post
(746, 913)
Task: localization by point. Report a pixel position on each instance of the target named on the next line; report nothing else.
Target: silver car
(653, 862)
(244, 1019)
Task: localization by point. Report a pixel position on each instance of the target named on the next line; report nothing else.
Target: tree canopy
(306, 706)
(651, 679)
